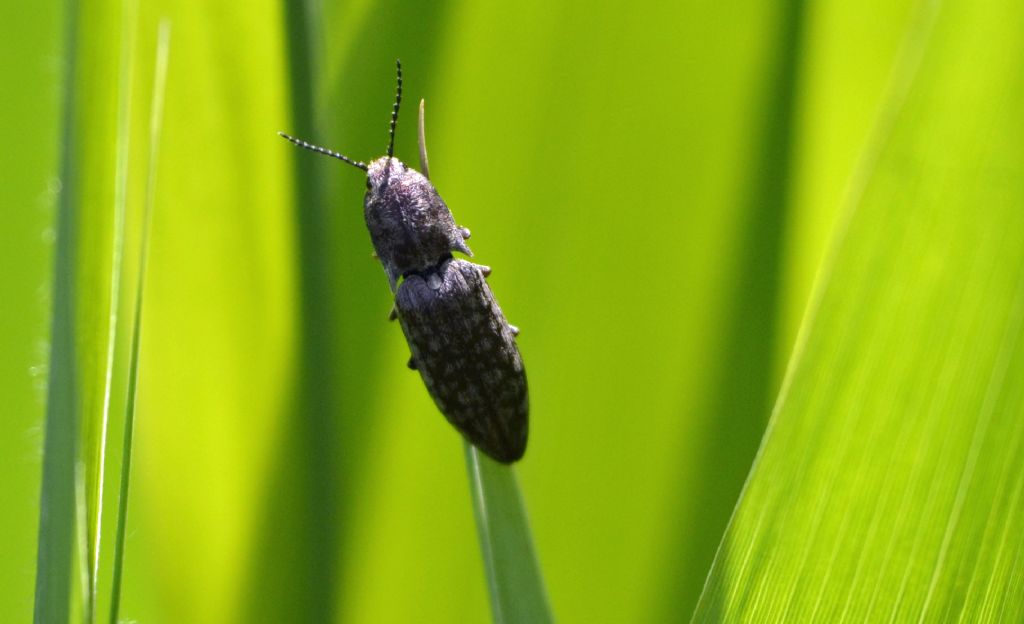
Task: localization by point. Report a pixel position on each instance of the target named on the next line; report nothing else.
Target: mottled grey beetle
(461, 343)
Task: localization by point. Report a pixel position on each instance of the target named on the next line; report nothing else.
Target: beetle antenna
(325, 151)
(394, 111)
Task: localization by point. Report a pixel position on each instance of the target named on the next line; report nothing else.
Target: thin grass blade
(510, 563)
(96, 445)
(156, 124)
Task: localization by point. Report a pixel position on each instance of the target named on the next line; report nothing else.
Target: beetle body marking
(461, 344)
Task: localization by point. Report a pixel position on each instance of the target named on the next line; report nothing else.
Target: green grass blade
(889, 484)
(156, 124)
(57, 499)
(306, 565)
(513, 572)
(97, 447)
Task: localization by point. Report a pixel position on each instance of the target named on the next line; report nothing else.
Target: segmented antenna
(394, 111)
(325, 151)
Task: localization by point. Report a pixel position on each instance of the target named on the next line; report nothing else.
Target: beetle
(461, 344)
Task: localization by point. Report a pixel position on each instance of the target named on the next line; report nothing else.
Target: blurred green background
(654, 185)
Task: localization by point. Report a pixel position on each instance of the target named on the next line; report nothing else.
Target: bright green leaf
(889, 483)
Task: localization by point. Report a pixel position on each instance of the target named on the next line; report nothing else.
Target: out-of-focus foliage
(654, 185)
(889, 487)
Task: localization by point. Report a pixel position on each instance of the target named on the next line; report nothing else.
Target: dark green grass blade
(306, 564)
(57, 500)
(513, 572)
